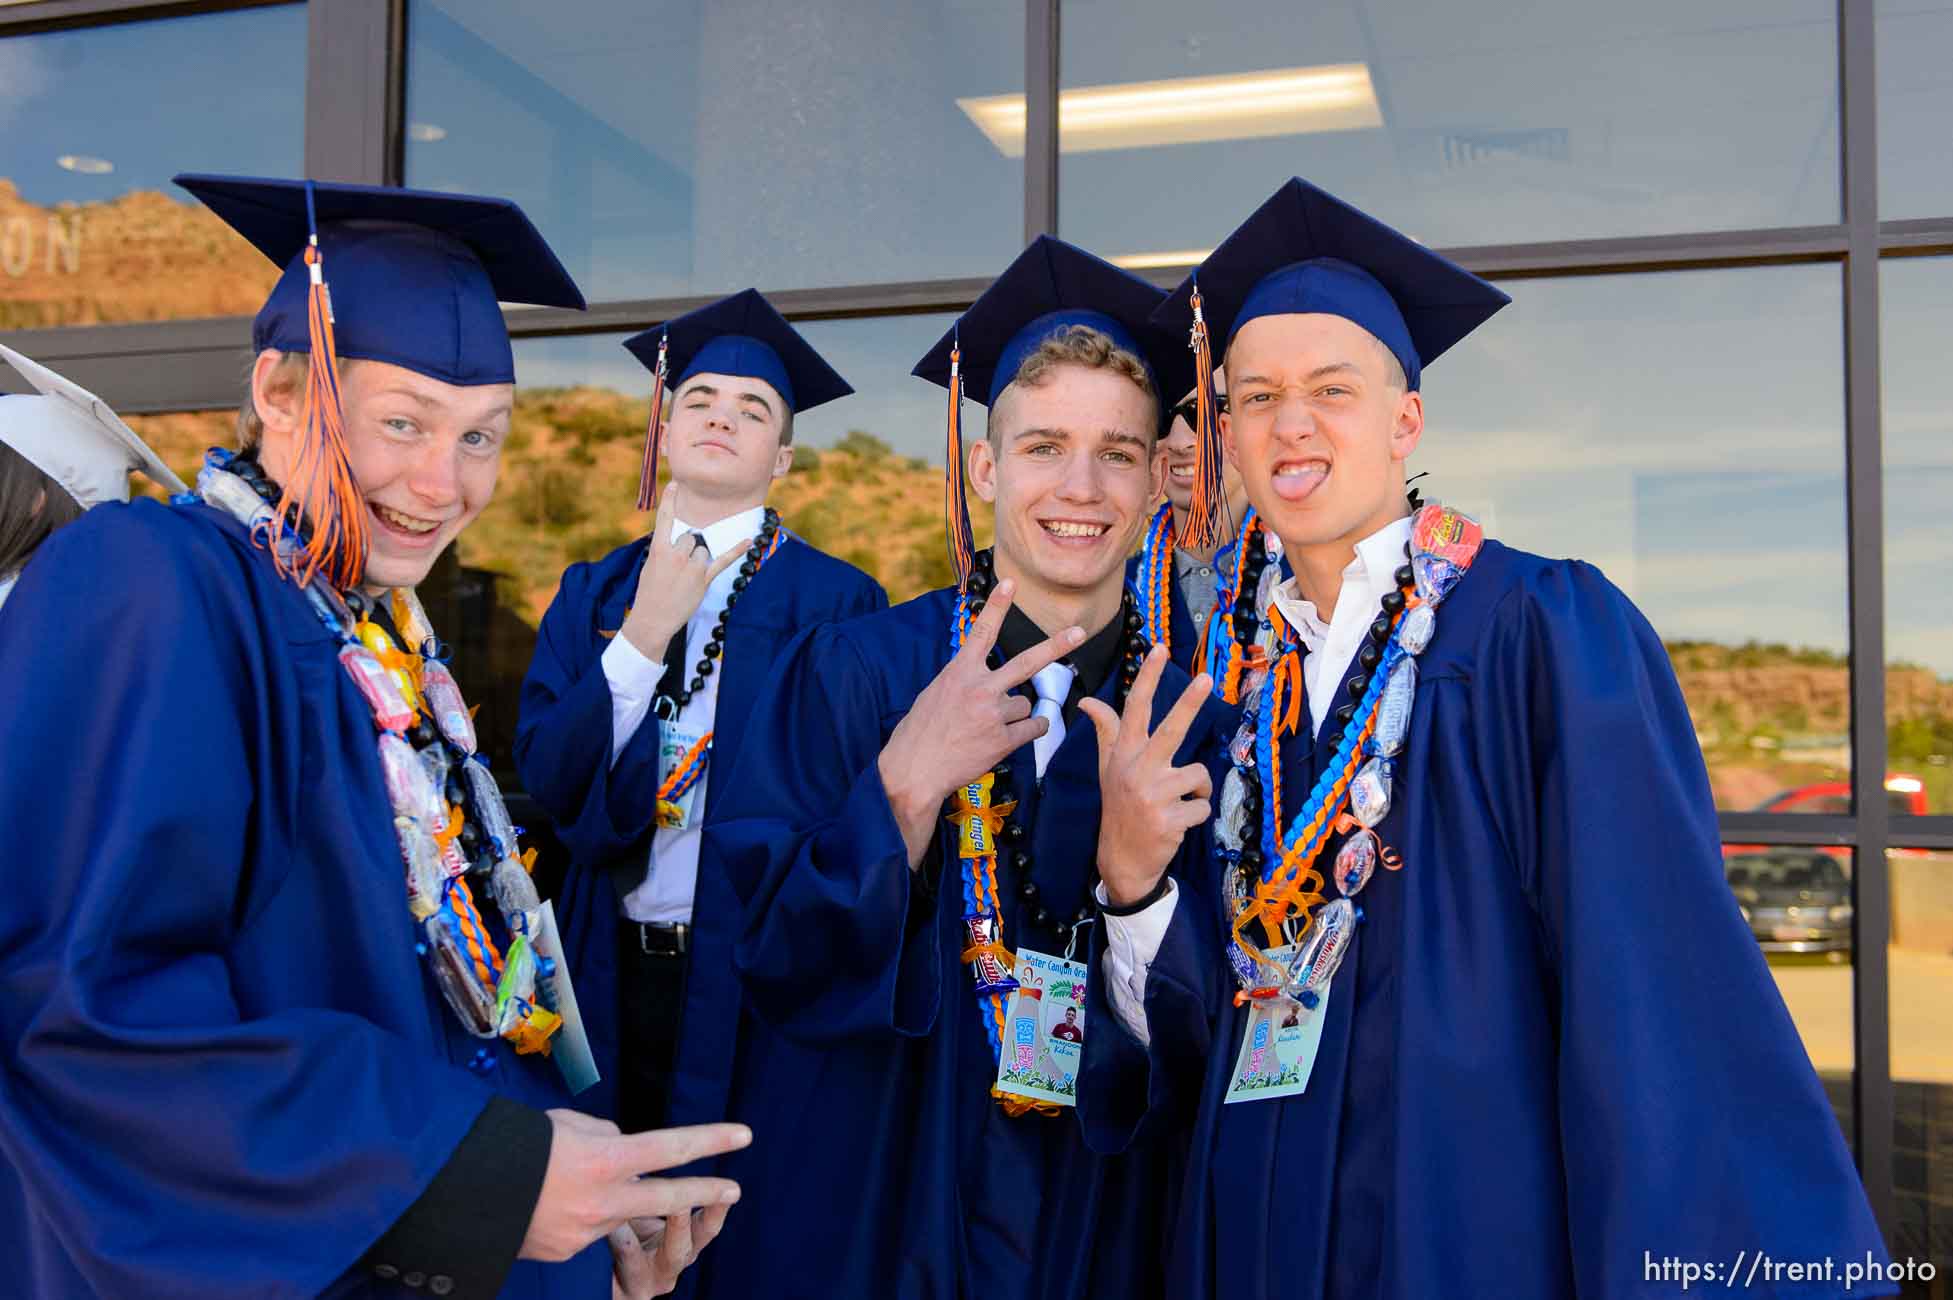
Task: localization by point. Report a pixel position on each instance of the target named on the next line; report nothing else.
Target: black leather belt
(659, 938)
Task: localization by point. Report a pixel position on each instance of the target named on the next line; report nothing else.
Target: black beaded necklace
(1016, 854)
(757, 554)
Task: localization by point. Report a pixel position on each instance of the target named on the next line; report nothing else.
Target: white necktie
(1052, 683)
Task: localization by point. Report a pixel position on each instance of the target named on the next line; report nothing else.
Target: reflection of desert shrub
(558, 499)
(805, 461)
(866, 445)
(928, 559)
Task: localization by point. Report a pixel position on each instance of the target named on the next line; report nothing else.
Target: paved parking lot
(1819, 998)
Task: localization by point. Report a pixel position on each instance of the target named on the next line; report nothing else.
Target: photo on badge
(1278, 1047)
(681, 759)
(1044, 1030)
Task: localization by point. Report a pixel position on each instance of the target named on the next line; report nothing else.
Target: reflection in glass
(1798, 903)
(180, 439)
(1916, 338)
(1460, 123)
(864, 485)
(1921, 957)
(1915, 98)
(94, 122)
(714, 146)
(1684, 432)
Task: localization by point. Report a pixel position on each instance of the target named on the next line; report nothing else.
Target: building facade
(1728, 231)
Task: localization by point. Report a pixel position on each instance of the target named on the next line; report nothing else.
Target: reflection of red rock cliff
(142, 256)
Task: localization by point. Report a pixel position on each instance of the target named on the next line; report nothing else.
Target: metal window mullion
(1040, 118)
(353, 91)
(57, 15)
(1872, 1108)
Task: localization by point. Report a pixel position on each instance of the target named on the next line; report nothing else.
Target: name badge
(675, 747)
(1044, 1030)
(1278, 1048)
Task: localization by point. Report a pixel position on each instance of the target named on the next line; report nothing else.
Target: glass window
(866, 485)
(1685, 432)
(1798, 903)
(1459, 123)
(95, 121)
(180, 439)
(699, 148)
(1921, 963)
(1916, 302)
(1915, 98)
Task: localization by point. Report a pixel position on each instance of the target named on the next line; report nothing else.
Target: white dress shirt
(1132, 942)
(671, 872)
(7, 587)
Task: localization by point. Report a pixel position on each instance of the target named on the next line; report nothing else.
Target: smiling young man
(1537, 1049)
(1177, 583)
(275, 996)
(646, 671)
(915, 831)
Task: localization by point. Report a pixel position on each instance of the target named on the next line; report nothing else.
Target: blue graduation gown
(881, 1166)
(1183, 637)
(1555, 1045)
(227, 1071)
(604, 812)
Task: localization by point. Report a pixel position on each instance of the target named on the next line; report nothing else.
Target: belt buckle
(676, 936)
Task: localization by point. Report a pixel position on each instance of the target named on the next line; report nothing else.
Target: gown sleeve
(173, 1141)
(1691, 1121)
(563, 736)
(839, 938)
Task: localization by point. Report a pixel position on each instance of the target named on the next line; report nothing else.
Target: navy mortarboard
(1051, 287)
(741, 335)
(1307, 251)
(408, 277)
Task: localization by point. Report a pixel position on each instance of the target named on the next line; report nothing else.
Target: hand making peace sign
(967, 720)
(1146, 804)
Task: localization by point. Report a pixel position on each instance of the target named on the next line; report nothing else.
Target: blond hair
(1081, 345)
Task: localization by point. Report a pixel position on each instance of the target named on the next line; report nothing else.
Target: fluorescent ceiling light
(1189, 110)
(426, 133)
(77, 162)
(1153, 261)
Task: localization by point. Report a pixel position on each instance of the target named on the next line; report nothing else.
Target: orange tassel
(320, 486)
(654, 431)
(956, 505)
(1207, 525)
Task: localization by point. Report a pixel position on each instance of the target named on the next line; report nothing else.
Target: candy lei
(1154, 581)
(448, 815)
(981, 811)
(1274, 881)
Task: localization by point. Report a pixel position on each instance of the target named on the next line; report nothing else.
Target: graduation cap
(741, 336)
(1051, 287)
(71, 435)
(1306, 251)
(408, 277)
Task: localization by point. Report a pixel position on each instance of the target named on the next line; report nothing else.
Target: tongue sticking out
(1297, 482)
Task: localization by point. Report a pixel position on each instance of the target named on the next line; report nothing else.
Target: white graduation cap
(72, 436)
